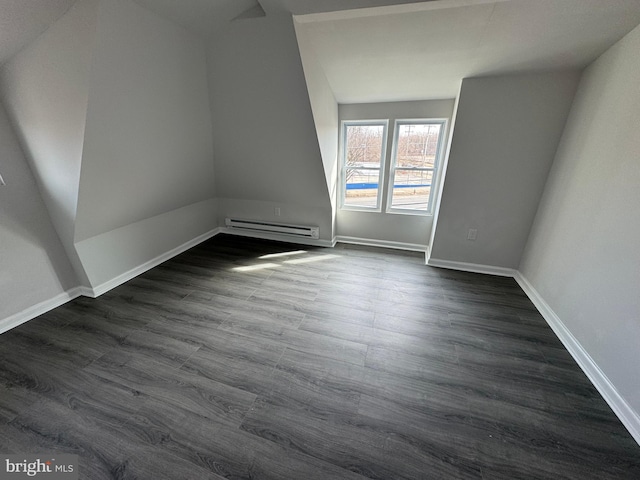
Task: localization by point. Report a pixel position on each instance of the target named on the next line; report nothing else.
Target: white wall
(122, 253)
(582, 256)
(35, 268)
(410, 230)
(148, 145)
(266, 148)
(506, 134)
(290, 213)
(147, 182)
(112, 105)
(443, 171)
(45, 88)
(324, 108)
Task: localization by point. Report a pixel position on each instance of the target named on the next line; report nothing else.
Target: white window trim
(343, 164)
(436, 165)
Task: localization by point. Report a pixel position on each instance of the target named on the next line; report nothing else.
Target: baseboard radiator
(281, 228)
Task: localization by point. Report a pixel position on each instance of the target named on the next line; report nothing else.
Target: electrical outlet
(472, 234)
(276, 211)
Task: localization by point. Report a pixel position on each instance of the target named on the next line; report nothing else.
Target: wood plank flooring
(244, 358)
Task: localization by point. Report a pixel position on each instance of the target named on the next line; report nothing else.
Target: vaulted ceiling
(422, 51)
(203, 17)
(395, 49)
(21, 21)
(206, 17)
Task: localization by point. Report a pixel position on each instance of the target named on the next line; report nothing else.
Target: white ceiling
(303, 7)
(396, 50)
(205, 17)
(22, 21)
(202, 17)
(423, 51)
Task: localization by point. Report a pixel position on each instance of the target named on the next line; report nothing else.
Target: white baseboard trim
(472, 267)
(277, 237)
(38, 309)
(629, 418)
(154, 262)
(370, 242)
(86, 291)
(427, 255)
(47, 305)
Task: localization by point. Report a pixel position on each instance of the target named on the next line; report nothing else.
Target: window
(364, 145)
(416, 151)
(415, 159)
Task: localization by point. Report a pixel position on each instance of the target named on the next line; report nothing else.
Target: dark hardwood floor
(344, 363)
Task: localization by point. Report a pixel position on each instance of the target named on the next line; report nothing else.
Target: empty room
(320, 239)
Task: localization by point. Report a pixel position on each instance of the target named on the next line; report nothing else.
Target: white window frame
(443, 122)
(344, 168)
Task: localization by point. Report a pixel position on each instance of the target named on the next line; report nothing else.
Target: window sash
(408, 192)
(347, 203)
(394, 168)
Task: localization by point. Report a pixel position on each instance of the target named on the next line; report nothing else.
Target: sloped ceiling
(202, 17)
(400, 50)
(206, 17)
(303, 7)
(22, 21)
(422, 51)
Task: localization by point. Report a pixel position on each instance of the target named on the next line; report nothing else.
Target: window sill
(361, 209)
(415, 213)
(411, 213)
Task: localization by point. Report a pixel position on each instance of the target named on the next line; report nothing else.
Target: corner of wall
(443, 171)
(627, 415)
(149, 242)
(38, 309)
